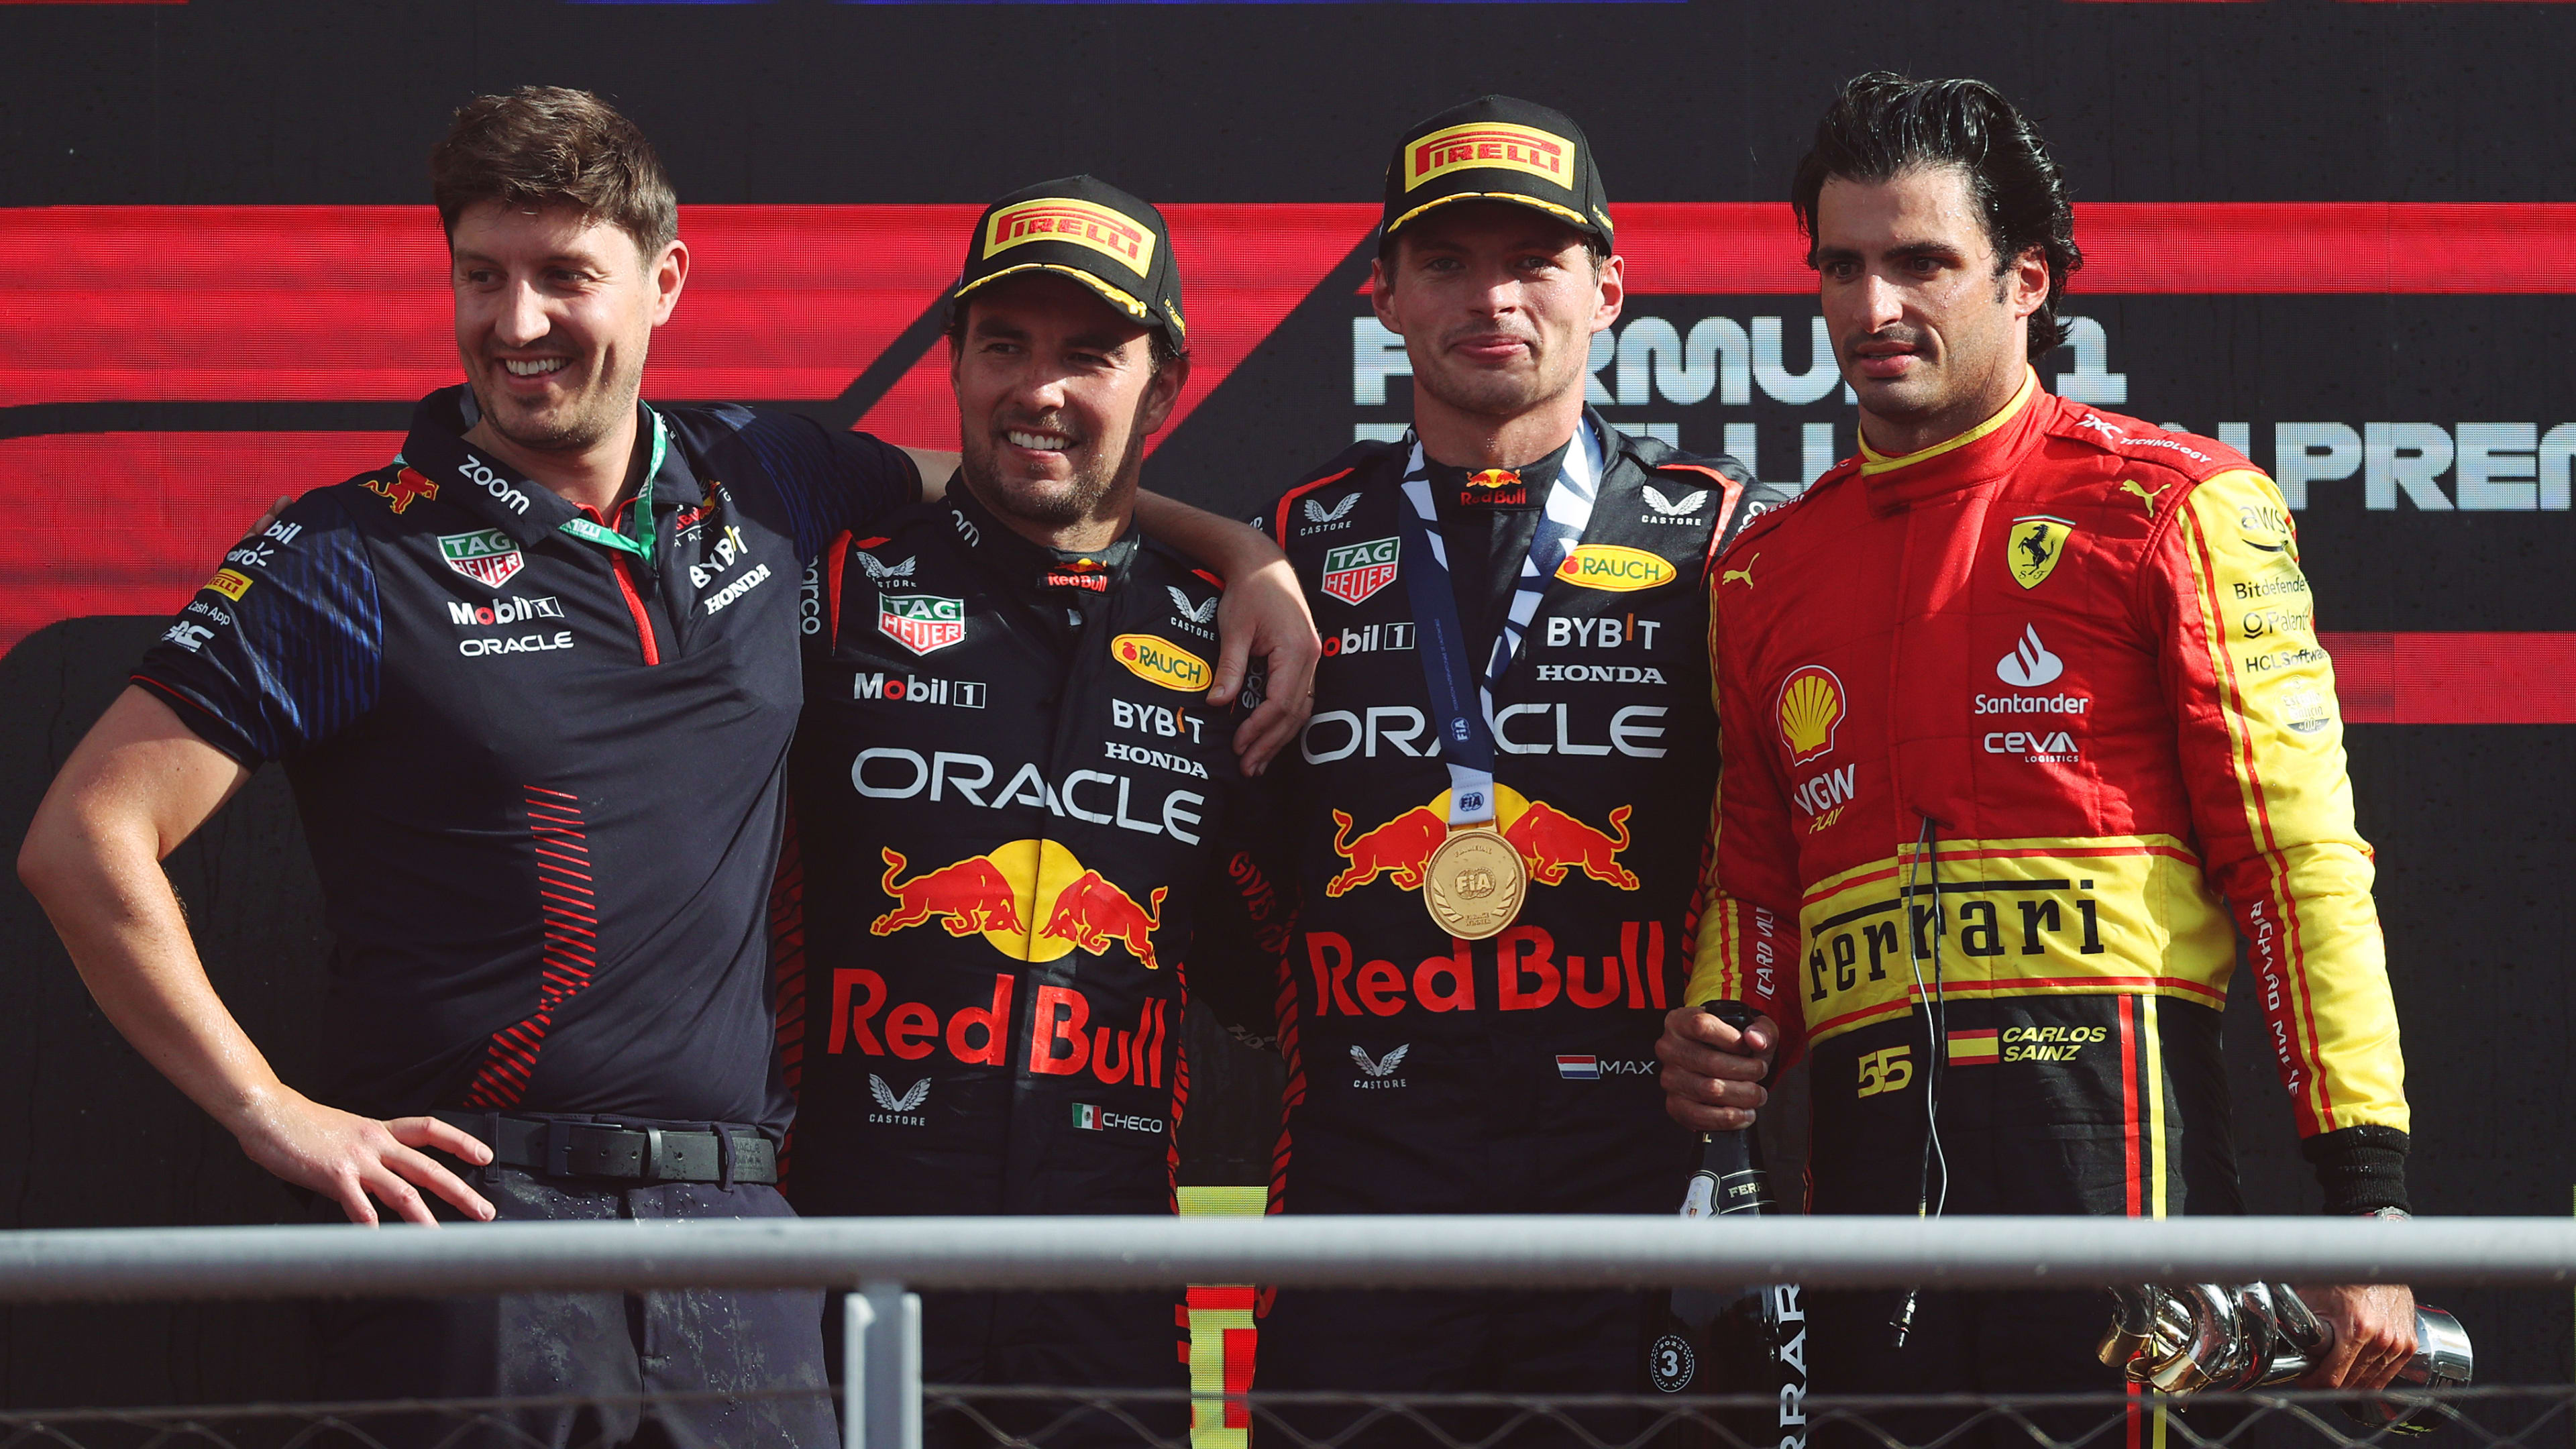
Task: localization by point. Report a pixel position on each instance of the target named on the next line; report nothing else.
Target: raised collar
(1985, 451)
(1033, 569)
(491, 490)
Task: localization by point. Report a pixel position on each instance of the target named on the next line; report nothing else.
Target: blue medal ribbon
(1466, 737)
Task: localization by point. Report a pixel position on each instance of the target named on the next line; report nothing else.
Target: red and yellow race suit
(2022, 731)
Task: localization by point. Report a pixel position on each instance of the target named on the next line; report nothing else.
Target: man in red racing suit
(2025, 721)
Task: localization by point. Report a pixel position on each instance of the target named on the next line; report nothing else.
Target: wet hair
(542, 146)
(1883, 125)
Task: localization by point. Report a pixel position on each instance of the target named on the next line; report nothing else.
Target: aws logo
(1160, 661)
(1611, 566)
(1810, 710)
(996, 896)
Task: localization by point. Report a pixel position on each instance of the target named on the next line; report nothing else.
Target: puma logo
(1745, 574)
(2130, 485)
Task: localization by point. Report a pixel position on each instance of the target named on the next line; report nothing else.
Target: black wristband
(2362, 1169)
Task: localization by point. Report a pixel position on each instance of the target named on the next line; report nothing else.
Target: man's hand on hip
(2374, 1333)
(1713, 1073)
(346, 1157)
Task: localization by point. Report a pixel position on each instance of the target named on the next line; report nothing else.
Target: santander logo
(2030, 665)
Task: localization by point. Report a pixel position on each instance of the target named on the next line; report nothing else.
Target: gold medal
(1474, 882)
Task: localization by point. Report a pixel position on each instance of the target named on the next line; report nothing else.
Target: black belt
(561, 1148)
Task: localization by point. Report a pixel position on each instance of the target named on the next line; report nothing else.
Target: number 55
(1886, 1071)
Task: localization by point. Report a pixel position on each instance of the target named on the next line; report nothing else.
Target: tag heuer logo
(488, 558)
(922, 622)
(1356, 570)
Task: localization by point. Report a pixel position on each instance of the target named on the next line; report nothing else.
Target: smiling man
(1499, 808)
(2026, 721)
(1021, 834)
(534, 683)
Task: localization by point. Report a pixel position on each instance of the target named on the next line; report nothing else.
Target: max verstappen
(1017, 821)
(533, 683)
(2026, 722)
(1514, 627)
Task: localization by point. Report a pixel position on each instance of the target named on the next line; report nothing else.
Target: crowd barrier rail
(888, 1260)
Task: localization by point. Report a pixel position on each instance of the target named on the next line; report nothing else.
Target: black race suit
(1514, 1075)
(1014, 811)
(543, 779)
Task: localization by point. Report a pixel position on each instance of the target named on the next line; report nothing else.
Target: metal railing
(889, 1258)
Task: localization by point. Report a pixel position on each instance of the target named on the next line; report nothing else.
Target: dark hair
(544, 146)
(1883, 124)
(1163, 348)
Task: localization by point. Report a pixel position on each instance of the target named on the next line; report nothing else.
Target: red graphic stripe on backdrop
(1243, 268)
(2146, 248)
(132, 523)
(351, 304)
(2455, 679)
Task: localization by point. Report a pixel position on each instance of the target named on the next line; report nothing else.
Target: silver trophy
(2181, 1339)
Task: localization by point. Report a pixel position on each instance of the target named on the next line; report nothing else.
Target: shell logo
(1811, 705)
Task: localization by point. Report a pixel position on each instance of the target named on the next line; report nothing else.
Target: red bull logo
(1003, 894)
(1494, 486)
(1400, 848)
(972, 896)
(1062, 1042)
(1091, 913)
(1552, 843)
(1519, 970)
(406, 486)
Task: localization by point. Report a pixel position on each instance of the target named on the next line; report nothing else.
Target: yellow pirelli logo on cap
(1083, 223)
(1488, 143)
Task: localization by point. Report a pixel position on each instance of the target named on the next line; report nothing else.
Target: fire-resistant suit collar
(1032, 569)
(1984, 452)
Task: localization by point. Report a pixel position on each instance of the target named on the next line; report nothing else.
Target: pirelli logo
(1513, 148)
(1082, 223)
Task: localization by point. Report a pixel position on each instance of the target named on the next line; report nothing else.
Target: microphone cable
(1935, 1011)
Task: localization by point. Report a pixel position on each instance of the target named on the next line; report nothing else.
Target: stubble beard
(1492, 394)
(579, 423)
(1049, 505)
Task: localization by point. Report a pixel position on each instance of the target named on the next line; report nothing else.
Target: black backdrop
(270, 104)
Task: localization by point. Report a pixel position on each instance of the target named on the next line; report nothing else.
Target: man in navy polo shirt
(533, 683)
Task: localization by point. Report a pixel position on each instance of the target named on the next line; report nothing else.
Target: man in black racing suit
(1429, 1074)
(1014, 813)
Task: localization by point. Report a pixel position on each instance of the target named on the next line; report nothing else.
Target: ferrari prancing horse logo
(2037, 543)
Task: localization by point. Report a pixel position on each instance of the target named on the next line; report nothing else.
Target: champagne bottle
(1747, 1340)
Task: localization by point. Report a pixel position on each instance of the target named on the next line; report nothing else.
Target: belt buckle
(652, 1164)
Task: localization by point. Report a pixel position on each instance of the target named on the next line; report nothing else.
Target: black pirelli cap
(1497, 148)
(1086, 229)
